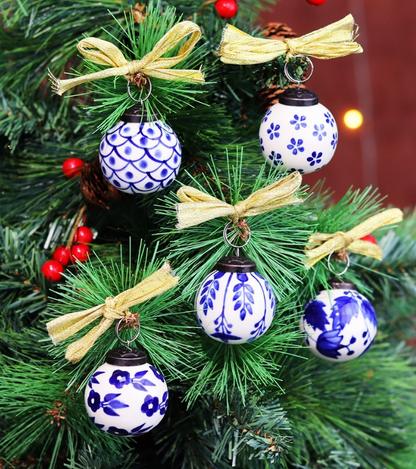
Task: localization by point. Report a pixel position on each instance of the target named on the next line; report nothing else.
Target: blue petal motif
(139, 430)
(369, 313)
(94, 401)
(157, 374)
(328, 343)
(150, 405)
(118, 431)
(344, 309)
(93, 379)
(119, 378)
(315, 315)
(225, 337)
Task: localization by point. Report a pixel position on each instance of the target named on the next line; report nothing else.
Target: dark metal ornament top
(299, 97)
(236, 264)
(344, 285)
(123, 356)
(139, 114)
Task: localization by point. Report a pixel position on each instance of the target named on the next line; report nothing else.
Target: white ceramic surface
(235, 307)
(140, 158)
(340, 325)
(301, 138)
(126, 400)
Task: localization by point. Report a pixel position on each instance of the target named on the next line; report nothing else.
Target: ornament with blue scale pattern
(126, 396)
(140, 154)
(235, 304)
(340, 324)
(298, 133)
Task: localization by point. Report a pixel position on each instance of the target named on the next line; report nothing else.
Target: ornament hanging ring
(331, 269)
(129, 341)
(148, 93)
(226, 227)
(294, 80)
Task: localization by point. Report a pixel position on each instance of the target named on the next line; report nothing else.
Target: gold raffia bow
(321, 245)
(113, 309)
(332, 41)
(152, 64)
(198, 207)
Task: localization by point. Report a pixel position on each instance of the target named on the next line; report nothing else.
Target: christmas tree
(134, 193)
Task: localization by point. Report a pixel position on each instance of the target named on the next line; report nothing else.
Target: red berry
(52, 270)
(83, 235)
(316, 2)
(62, 255)
(80, 252)
(226, 8)
(369, 238)
(72, 167)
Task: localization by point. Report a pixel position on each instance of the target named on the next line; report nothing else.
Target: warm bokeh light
(353, 119)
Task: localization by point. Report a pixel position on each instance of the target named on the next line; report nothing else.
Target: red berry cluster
(64, 256)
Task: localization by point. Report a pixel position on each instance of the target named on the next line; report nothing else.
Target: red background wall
(379, 82)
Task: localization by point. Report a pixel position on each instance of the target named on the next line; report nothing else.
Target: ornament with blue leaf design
(340, 324)
(235, 304)
(140, 154)
(126, 396)
(298, 132)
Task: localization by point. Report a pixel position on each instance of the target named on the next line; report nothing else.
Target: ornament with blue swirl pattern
(340, 324)
(140, 154)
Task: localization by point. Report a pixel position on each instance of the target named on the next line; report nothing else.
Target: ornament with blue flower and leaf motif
(235, 304)
(340, 324)
(140, 154)
(126, 396)
(298, 133)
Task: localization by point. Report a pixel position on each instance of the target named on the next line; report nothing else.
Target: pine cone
(277, 31)
(94, 186)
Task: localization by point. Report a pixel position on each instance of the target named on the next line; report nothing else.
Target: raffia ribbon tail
(55, 83)
(322, 245)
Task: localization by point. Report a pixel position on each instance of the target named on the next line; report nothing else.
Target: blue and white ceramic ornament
(340, 324)
(298, 133)
(126, 396)
(235, 304)
(139, 157)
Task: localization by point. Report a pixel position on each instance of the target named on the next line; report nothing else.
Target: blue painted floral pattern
(108, 405)
(243, 296)
(93, 379)
(307, 137)
(329, 118)
(276, 158)
(121, 378)
(266, 116)
(242, 309)
(164, 403)
(208, 293)
(300, 170)
(319, 131)
(340, 326)
(296, 146)
(272, 131)
(157, 373)
(150, 405)
(298, 122)
(315, 158)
